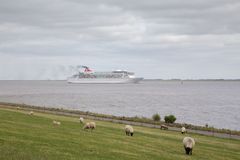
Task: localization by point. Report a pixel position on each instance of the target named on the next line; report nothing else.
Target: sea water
(196, 102)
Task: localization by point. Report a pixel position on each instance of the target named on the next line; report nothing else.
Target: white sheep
(90, 125)
(56, 123)
(31, 113)
(81, 120)
(188, 144)
(164, 127)
(129, 130)
(18, 108)
(86, 126)
(183, 130)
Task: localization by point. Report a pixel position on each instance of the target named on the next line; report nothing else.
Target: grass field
(35, 137)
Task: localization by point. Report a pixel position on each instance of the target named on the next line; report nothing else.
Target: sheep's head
(188, 150)
(131, 134)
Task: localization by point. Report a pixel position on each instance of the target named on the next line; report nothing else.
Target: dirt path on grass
(44, 110)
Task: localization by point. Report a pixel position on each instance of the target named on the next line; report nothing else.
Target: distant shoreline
(191, 80)
(140, 82)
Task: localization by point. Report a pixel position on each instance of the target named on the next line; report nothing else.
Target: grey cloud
(172, 37)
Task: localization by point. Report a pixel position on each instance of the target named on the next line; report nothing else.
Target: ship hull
(104, 80)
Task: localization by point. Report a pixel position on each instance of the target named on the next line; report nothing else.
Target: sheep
(164, 127)
(183, 130)
(57, 123)
(86, 126)
(90, 125)
(18, 108)
(81, 120)
(129, 130)
(188, 144)
(31, 113)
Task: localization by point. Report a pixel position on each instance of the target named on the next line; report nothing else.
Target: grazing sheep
(18, 108)
(129, 130)
(86, 126)
(57, 123)
(188, 144)
(90, 125)
(31, 113)
(164, 127)
(183, 130)
(81, 120)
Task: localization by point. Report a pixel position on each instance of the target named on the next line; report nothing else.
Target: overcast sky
(188, 39)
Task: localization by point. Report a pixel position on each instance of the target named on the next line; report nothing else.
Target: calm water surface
(197, 102)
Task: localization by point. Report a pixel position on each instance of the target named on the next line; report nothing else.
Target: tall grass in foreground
(35, 137)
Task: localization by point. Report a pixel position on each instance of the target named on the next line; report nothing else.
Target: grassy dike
(25, 137)
(120, 118)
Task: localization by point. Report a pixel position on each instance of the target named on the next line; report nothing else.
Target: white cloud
(187, 39)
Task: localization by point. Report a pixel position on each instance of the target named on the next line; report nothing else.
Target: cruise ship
(89, 76)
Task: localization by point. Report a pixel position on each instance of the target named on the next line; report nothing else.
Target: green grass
(35, 138)
(130, 119)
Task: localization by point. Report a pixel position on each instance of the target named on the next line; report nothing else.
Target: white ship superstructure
(118, 76)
